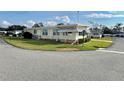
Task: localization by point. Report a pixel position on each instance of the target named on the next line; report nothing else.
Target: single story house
(96, 33)
(3, 32)
(17, 32)
(122, 28)
(64, 33)
(14, 33)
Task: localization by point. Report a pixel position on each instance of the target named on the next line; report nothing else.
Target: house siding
(64, 34)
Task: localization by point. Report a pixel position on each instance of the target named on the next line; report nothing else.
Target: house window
(55, 32)
(96, 34)
(69, 32)
(65, 33)
(45, 32)
(35, 31)
(82, 33)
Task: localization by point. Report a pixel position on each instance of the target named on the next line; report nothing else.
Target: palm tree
(117, 27)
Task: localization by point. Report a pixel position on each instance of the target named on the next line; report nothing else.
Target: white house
(3, 32)
(64, 33)
(122, 28)
(17, 32)
(96, 32)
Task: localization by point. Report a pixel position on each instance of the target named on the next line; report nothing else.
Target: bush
(27, 35)
(14, 35)
(8, 34)
(84, 40)
(20, 34)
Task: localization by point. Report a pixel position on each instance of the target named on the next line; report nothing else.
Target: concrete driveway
(18, 64)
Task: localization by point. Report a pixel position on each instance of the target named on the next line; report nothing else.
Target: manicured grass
(52, 45)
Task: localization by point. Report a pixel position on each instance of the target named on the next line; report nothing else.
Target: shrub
(27, 35)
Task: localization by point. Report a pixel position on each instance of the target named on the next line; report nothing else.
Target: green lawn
(53, 46)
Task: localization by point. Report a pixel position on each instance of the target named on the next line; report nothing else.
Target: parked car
(118, 35)
(107, 35)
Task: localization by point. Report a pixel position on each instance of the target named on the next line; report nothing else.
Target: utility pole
(78, 21)
(78, 17)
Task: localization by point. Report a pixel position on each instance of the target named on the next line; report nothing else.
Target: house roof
(62, 28)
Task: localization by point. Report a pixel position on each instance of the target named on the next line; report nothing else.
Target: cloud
(50, 23)
(26, 25)
(113, 12)
(65, 19)
(29, 23)
(101, 15)
(6, 23)
(118, 15)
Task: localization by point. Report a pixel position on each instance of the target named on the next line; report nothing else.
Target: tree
(60, 24)
(27, 35)
(117, 27)
(15, 27)
(2, 29)
(95, 30)
(106, 30)
(10, 30)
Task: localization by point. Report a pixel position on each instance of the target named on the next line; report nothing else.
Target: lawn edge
(57, 50)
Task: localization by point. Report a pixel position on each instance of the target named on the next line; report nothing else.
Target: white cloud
(101, 15)
(50, 23)
(6, 23)
(118, 16)
(65, 19)
(113, 12)
(26, 25)
(29, 23)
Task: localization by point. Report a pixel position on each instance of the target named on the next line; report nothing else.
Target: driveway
(18, 64)
(118, 46)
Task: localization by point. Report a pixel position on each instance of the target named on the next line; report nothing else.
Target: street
(29, 65)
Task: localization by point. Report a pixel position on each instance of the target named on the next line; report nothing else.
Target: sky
(50, 18)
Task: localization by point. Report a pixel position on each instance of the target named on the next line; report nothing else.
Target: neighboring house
(64, 33)
(14, 33)
(122, 28)
(17, 32)
(120, 32)
(96, 33)
(3, 32)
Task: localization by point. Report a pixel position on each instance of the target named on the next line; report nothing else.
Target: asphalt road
(28, 65)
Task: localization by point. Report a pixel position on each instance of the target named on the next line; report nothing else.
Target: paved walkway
(19, 64)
